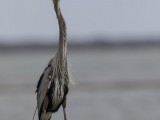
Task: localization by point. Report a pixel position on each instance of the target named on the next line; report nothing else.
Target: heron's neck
(62, 36)
(62, 48)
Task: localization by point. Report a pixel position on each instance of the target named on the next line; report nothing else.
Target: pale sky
(85, 18)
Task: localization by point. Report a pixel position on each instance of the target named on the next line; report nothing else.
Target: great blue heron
(52, 87)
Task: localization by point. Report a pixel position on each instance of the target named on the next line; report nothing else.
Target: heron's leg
(64, 108)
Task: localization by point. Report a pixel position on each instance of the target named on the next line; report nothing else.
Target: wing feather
(43, 86)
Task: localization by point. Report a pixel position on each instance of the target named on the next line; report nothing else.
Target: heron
(53, 85)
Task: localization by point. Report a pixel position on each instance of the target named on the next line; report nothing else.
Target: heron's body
(52, 87)
(56, 91)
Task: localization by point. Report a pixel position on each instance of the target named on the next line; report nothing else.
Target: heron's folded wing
(44, 86)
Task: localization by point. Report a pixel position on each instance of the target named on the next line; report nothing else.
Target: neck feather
(62, 48)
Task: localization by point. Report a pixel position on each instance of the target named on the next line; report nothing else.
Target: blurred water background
(112, 83)
(113, 51)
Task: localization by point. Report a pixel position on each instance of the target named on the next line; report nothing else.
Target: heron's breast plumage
(57, 93)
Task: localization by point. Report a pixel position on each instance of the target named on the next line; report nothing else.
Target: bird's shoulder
(45, 76)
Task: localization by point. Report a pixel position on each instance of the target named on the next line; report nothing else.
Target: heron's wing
(43, 86)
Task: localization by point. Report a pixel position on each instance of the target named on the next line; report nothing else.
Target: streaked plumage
(52, 87)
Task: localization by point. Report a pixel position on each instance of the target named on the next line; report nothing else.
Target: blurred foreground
(112, 84)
